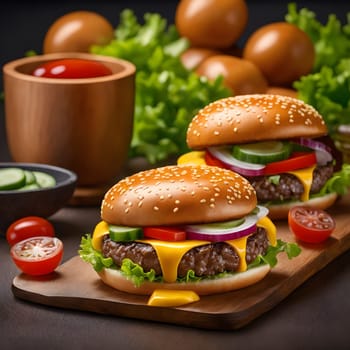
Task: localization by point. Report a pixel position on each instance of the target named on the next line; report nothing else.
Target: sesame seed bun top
(252, 118)
(174, 195)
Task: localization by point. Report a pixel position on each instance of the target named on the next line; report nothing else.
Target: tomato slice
(310, 225)
(164, 233)
(211, 160)
(37, 255)
(298, 160)
(72, 68)
(29, 226)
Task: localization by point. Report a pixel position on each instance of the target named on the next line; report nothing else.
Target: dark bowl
(43, 202)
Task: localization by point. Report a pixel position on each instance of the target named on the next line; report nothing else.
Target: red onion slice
(323, 152)
(218, 234)
(243, 168)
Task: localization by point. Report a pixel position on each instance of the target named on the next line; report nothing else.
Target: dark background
(315, 316)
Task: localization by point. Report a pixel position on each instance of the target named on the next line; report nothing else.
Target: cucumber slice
(124, 233)
(33, 186)
(11, 178)
(30, 177)
(262, 152)
(44, 180)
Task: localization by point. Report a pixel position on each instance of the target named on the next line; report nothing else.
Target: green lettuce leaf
(339, 183)
(92, 256)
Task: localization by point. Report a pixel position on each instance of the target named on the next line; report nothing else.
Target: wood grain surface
(75, 285)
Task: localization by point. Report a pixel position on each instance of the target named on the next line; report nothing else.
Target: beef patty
(206, 260)
(287, 186)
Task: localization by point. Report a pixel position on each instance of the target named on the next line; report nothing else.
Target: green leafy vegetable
(327, 88)
(339, 183)
(167, 94)
(92, 256)
(329, 92)
(291, 249)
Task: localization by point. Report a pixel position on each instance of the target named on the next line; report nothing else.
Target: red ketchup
(72, 68)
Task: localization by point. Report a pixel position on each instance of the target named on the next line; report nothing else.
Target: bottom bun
(280, 211)
(115, 279)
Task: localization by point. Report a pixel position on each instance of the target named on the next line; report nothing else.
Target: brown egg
(193, 56)
(77, 31)
(211, 23)
(276, 90)
(282, 51)
(239, 75)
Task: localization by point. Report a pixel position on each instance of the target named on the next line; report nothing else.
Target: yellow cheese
(101, 229)
(195, 157)
(305, 176)
(240, 245)
(270, 228)
(170, 254)
(171, 298)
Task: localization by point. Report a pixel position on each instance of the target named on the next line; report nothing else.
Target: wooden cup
(84, 125)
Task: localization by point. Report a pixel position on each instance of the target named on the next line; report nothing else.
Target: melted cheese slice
(195, 158)
(100, 230)
(171, 298)
(270, 228)
(305, 176)
(170, 254)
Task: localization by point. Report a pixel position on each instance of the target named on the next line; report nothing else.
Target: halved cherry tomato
(310, 224)
(37, 255)
(29, 226)
(72, 68)
(298, 160)
(164, 233)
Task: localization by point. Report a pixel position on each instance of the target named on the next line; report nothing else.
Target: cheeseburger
(187, 227)
(273, 141)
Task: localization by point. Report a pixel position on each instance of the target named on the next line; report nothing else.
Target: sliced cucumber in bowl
(11, 178)
(14, 178)
(44, 180)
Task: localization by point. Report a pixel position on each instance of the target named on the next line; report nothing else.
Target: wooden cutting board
(75, 285)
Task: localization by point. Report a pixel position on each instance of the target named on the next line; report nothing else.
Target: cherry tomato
(282, 51)
(37, 255)
(211, 23)
(72, 68)
(297, 160)
(310, 225)
(164, 233)
(239, 75)
(29, 226)
(77, 31)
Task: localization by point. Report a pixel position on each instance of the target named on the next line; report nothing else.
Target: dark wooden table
(314, 315)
